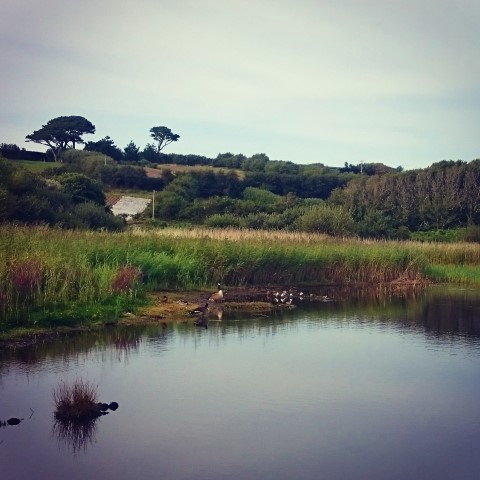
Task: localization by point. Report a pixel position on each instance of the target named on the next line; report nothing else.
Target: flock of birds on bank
(276, 298)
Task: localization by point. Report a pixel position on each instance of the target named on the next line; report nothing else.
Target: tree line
(369, 200)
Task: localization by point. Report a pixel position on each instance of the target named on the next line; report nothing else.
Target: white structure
(130, 206)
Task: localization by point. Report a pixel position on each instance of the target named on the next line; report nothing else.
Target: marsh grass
(76, 401)
(56, 276)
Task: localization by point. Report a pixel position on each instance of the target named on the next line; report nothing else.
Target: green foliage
(260, 196)
(30, 199)
(224, 220)
(326, 219)
(442, 236)
(131, 153)
(81, 188)
(106, 146)
(91, 216)
(471, 234)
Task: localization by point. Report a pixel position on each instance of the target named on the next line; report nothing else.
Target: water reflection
(349, 388)
(76, 435)
(444, 313)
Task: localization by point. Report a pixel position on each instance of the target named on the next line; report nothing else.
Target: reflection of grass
(77, 435)
(77, 401)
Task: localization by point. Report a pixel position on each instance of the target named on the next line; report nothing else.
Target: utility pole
(153, 205)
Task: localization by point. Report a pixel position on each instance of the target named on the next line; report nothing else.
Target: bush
(92, 216)
(224, 220)
(326, 219)
(471, 234)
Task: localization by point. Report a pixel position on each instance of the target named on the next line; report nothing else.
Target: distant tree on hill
(150, 154)
(164, 136)
(59, 132)
(131, 153)
(106, 146)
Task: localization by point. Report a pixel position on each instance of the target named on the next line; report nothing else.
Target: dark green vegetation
(440, 203)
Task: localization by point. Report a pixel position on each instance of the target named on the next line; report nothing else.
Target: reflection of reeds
(76, 402)
(76, 434)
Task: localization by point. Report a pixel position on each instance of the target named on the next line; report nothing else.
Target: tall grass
(76, 275)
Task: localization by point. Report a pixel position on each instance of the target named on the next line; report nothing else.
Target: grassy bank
(50, 276)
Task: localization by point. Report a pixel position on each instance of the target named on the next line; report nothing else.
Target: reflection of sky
(349, 399)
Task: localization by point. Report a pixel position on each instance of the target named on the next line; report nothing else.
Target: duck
(14, 421)
(217, 297)
(200, 310)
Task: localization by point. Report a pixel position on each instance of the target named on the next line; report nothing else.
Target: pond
(354, 388)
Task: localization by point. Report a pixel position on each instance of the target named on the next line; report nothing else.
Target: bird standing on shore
(217, 297)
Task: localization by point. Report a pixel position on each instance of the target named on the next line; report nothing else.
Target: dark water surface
(387, 388)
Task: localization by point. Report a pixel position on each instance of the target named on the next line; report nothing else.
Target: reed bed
(65, 276)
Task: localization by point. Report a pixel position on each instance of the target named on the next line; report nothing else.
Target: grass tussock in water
(51, 276)
(76, 401)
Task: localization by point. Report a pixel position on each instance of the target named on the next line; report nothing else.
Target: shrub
(471, 234)
(327, 219)
(224, 220)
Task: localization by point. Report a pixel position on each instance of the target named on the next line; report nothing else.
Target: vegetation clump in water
(76, 402)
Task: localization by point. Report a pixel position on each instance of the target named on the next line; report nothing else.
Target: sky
(328, 81)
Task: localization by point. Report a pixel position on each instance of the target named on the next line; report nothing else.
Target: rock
(14, 421)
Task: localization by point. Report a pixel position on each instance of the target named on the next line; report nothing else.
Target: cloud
(290, 78)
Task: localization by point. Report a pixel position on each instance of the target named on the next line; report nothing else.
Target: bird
(14, 421)
(217, 297)
(200, 310)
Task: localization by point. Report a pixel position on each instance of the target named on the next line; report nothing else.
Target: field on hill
(175, 168)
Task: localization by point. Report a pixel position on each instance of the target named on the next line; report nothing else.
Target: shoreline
(166, 307)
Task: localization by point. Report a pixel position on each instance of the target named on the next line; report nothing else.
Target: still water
(356, 388)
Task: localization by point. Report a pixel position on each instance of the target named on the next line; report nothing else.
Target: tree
(59, 132)
(82, 188)
(164, 136)
(131, 153)
(106, 146)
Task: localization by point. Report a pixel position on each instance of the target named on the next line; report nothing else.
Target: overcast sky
(330, 81)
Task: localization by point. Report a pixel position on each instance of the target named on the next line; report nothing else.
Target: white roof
(130, 206)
